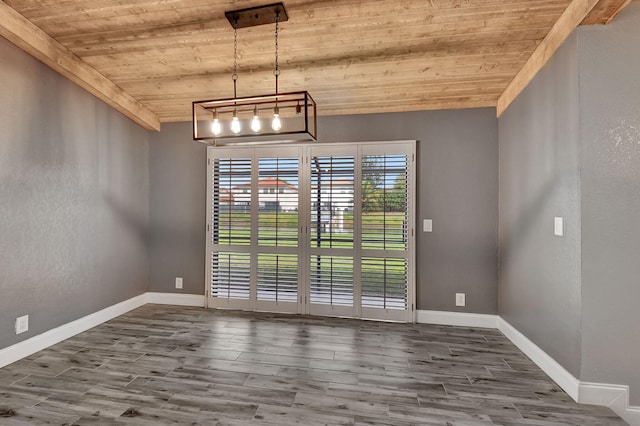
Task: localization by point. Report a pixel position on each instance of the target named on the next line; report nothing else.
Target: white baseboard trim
(42, 341)
(175, 299)
(461, 319)
(558, 373)
(601, 394)
(615, 397)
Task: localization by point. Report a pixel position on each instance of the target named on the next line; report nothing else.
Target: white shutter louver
(278, 277)
(278, 202)
(231, 201)
(332, 190)
(384, 282)
(384, 201)
(332, 280)
(230, 275)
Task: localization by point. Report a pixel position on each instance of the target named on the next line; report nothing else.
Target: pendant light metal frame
(297, 110)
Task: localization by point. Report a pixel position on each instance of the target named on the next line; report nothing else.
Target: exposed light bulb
(276, 123)
(235, 123)
(255, 122)
(216, 128)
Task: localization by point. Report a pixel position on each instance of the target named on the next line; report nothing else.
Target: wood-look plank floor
(162, 365)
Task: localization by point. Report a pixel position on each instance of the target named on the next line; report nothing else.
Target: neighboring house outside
(273, 194)
(279, 195)
(226, 197)
(241, 196)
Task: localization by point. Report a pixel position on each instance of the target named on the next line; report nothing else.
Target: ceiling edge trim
(575, 13)
(23, 33)
(605, 12)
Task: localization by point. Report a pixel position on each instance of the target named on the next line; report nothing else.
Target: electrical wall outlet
(22, 324)
(178, 282)
(427, 225)
(460, 299)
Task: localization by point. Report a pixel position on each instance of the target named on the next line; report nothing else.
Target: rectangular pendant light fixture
(275, 118)
(212, 119)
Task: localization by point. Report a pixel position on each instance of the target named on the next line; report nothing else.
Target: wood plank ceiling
(354, 56)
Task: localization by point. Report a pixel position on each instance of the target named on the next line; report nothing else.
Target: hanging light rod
(260, 15)
(273, 118)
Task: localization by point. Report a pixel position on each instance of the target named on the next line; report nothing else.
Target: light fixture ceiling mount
(238, 120)
(260, 15)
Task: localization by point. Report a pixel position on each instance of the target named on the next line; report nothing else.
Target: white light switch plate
(22, 324)
(178, 282)
(558, 228)
(427, 225)
(460, 299)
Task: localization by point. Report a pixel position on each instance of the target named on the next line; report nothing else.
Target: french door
(324, 229)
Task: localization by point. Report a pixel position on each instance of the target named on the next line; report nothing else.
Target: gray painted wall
(73, 200)
(570, 146)
(539, 138)
(457, 188)
(177, 212)
(610, 115)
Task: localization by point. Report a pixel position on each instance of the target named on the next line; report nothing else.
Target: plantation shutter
(230, 227)
(331, 232)
(278, 190)
(385, 237)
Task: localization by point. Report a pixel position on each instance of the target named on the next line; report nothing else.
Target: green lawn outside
(376, 280)
(379, 276)
(234, 229)
(243, 220)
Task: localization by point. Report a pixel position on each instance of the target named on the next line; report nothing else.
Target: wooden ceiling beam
(575, 13)
(24, 34)
(604, 12)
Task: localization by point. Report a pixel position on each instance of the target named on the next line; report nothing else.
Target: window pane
(230, 275)
(332, 280)
(278, 277)
(278, 202)
(231, 209)
(384, 283)
(384, 202)
(332, 201)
